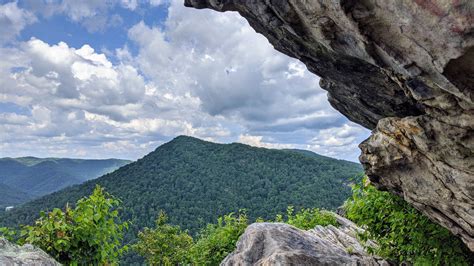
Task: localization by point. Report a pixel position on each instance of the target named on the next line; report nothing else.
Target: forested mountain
(40, 176)
(196, 181)
(10, 196)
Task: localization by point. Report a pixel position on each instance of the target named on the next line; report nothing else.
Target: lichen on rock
(404, 69)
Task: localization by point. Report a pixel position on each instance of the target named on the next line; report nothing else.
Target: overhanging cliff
(404, 68)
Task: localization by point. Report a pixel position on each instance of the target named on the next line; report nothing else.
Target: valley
(26, 178)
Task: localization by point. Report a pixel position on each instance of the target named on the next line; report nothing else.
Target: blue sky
(117, 78)
(56, 28)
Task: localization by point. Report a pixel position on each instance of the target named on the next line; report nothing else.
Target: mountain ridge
(40, 176)
(195, 181)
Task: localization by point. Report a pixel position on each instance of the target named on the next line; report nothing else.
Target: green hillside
(12, 197)
(41, 176)
(196, 181)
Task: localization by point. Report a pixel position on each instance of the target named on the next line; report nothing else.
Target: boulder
(283, 244)
(13, 255)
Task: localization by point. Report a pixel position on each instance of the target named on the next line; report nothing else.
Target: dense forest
(24, 178)
(195, 182)
(10, 196)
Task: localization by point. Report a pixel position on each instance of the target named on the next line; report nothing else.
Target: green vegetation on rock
(402, 232)
(307, 218)
(216, 241)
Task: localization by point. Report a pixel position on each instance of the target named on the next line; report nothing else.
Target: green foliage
(195, 182)
(216, 241)
(89, 234)
(8, 233)
(402, 232)
(164, 245)
(168, 245)
(308, 218)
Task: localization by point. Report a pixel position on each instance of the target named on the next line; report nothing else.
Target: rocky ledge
(404, 68)
(13, 255)
(282, 244)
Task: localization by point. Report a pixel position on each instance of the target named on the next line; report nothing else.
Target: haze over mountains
(25, 178)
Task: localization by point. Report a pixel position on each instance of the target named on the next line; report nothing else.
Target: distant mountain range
(25, 178)
(196, 181)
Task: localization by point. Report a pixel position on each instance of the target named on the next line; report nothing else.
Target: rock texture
(404, 68)
(282, 244)
(13, 255)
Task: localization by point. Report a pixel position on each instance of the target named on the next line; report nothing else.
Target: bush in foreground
(216, 241)
(89, 234)
(402, 232)
(166, 244)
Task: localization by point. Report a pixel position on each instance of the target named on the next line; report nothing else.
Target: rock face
(404, 68)
(282, 244)
(13, 255)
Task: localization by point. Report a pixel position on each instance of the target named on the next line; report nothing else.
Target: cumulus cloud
(233, 71)
(200, 73)
(13, 20)
(336, 141)
(80, 96)
(257, 141)
(79, 78)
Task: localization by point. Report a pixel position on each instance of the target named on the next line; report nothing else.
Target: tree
(216, 241)
(164, 245)
(89, 234)
(402, 232)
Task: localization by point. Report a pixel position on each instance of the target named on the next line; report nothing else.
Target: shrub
(308, 218)
(216, 241)
(8, 233)
(89, 234)
(402, 232)
(164, 245)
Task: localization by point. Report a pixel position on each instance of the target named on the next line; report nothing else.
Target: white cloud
(91, 14)
(157, 2)
(130, 4)
(231, 69)
(203, 73)
(338, 141)
(79, 97)
(78, 10)
(13, 119)
(257, 141)
(13, 20)
(41, 115)
(94, 15)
